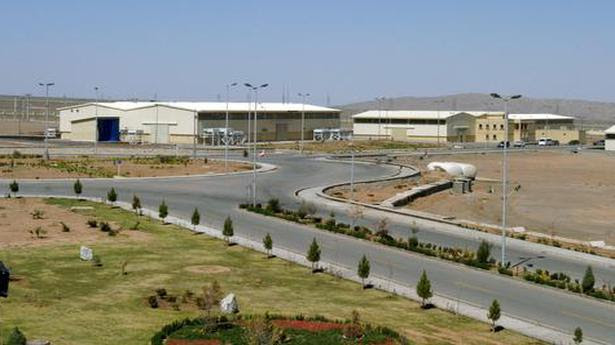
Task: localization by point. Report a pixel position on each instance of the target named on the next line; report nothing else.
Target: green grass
(69, 301)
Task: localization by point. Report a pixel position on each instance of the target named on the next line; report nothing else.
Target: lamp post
(303, 96)
(46, 86)
(351, 171)
(228, 93)
(504, 169)
(438, 102)
(255, 90)
(96, 121)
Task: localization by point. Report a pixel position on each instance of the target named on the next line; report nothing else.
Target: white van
(544, 141)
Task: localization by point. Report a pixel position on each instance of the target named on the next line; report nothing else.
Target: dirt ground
(375, 193)
(35, 167)
(558, 193)
(18, 225)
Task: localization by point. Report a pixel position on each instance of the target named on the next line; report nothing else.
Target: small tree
(483, 252)
(578, 335)
(268, 244)
(423, 289)
(112, 195)
(196, 218)
(306, 209)
(313, 254)
(136, 203)
(588, 280)
(273, 205)
(16, 337)
(494, 313)
(363, 269)
(78, 187)
(227, 230)
(14, 187)
(356, 213)
(211, 297)
(163, 210)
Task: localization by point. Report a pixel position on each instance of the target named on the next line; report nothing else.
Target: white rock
(229, 304)
(597, 244)
(85, 253)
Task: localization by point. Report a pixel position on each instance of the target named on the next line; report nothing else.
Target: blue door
(109, 129)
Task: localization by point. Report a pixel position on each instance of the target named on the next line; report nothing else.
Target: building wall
(490, 128)
(461, 128)
(82, 130)
(564, 136)
(273, 126)
(421, 132)
(609, 142)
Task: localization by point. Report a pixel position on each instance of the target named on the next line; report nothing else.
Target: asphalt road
(218, 197)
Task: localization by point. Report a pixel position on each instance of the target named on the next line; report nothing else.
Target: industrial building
(179, 122)
(417, 125)
(609, 139)
(463, 126)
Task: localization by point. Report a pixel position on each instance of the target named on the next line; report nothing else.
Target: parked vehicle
(543, 141)
(519, 143)
(599, 142)
(501, 144)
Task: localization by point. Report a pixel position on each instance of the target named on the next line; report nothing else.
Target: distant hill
(598, 115)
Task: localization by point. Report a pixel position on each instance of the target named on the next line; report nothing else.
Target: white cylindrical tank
(454, 168)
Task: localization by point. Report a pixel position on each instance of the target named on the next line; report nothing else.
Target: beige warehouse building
(177, 122)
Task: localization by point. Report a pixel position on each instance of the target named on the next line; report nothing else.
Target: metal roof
(418, 114)
(522, 117)
(211, 106)
(610, 130)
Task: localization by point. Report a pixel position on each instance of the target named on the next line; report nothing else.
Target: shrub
(14, 187)
(153, 301)
(105, 227)
(273, 205)
(163, 210)
(483, 252)
(92, 223)
(136, 203)
(78, 187)
(306, 209)
(65, 228)
(39, 232)
(112, 195)
(96, 261)
(37, 214)
(161, 292)
(227, 230)
(588, 280)
(16, 337)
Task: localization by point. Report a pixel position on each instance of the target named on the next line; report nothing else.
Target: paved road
(217, 197)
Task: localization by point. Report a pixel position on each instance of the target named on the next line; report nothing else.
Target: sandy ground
(375, 193)
(16, 222)
(35, 168)
(560, 193)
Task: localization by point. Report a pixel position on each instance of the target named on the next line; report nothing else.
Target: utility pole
(96, 121)
(46, 132)
(303, 95)
(255, 90)
(504, 170)
(226, 132)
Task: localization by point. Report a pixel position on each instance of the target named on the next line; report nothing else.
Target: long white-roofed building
(417, 125)
(178, 122)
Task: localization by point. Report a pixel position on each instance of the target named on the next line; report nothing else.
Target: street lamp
(303, 95)
(228, 92)
(351, 145)
(255, 90)
(46, 86)
(96, 121)
(504, 169)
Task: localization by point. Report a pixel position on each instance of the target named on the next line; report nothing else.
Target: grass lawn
(69, 301)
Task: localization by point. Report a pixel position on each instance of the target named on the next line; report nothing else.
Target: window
(487, 137)
(480, 126)
(495, 126)
(494, 137)
(501, 127)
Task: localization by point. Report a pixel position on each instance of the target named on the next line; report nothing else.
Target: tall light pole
(303, 96)
(438, 102)
(46, 86)
(255, 90)
(228, 95)
(96, 121)
(351, 171)
(504, 169)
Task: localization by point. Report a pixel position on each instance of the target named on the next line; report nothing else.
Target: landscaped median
(57, 296)
(480, 258)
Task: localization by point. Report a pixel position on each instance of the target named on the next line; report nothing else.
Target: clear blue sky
(351, 50)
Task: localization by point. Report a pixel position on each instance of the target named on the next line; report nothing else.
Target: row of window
(269, 116)
(480, 126)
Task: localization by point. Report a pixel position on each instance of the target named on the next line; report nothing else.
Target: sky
(339, 51)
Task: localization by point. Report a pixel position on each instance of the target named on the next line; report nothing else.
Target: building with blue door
(181, 122)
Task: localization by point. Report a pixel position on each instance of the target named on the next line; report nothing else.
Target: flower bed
(278, 329)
